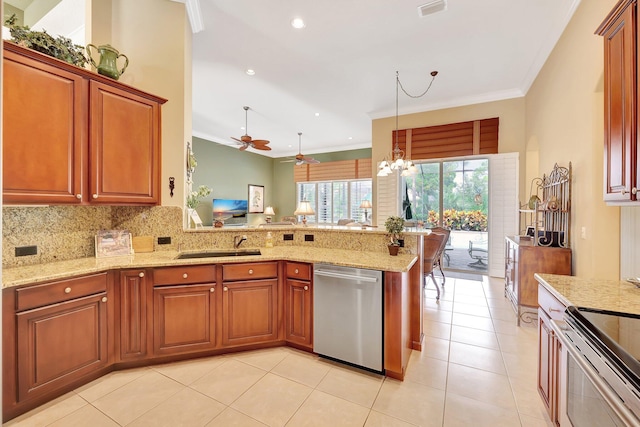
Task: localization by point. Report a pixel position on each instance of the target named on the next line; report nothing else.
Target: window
(334, 200)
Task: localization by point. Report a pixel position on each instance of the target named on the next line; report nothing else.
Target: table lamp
(366, 204)
(304, 209)
(269, 212)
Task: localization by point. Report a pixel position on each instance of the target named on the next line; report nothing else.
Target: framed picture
(256, 198)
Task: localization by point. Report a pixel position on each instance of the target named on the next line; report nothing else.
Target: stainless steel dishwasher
(347, 315)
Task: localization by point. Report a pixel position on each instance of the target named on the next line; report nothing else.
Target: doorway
(454, 194)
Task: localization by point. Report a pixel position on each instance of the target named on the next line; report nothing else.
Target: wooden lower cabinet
(298, 312)
(184, 318)
(249, 312)
(133, 315)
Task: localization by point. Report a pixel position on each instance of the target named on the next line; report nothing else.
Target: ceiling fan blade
(288, 161)
(236, 139)
(260, 141)
(262, 147)
(244, 147)
(310, 160)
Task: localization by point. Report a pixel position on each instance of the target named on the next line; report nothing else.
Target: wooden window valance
(333, 171)
(451, 140)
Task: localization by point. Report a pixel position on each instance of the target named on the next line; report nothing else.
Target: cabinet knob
(95, 196)
(104, 299)
(225, 289)
(141, 274)
(212, 290)
(296, 271)
(78, 196)
(306, 288)
(634, 190)
(250, 271)
(185, 275)
(67, 290)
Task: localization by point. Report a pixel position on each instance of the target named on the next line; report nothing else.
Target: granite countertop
(63, 269)
(613, 295)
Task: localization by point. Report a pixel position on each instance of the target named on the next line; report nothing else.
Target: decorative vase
(107, 65)
(393, 250)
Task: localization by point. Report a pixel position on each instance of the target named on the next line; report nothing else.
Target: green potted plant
(394, 226)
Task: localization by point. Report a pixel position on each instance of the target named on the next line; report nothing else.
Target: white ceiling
(343, 63)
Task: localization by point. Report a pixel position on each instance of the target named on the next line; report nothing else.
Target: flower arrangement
(394, 226)
(193, 199)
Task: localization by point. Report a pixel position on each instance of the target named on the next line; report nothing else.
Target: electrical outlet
(164, 240)
(26, 250)
(401, 242)
(308, 237)
(583, 232)
(288, 237)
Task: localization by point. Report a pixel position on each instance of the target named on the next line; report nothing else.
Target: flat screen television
(230, 211)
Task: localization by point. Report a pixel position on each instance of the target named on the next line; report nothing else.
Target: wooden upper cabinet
(619, 30)
(71, 136)
(125, 147)
(44, 132)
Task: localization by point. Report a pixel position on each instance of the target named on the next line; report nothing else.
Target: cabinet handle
(551, 310)
(67, 290)
(141, 274)
(185, 275)
(104, 299)
(296, 271)
(79, 196)
(225, 289)
(250, 271)
(212, 290)
(306, 288)
(95, 196)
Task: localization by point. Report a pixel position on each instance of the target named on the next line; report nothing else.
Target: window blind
(332, 171)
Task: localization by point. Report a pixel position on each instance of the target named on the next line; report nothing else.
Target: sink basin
(217, 254)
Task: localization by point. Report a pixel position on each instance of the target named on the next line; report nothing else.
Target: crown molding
(194, 14)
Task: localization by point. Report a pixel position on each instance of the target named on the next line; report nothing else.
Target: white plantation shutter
(388, 200)
(503, 207)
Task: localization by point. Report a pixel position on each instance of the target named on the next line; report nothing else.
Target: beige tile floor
(477, 369)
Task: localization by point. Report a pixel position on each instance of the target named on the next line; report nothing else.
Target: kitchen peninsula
(155, 308)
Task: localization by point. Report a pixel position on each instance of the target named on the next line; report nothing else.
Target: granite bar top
(32, 274)
(613, 295)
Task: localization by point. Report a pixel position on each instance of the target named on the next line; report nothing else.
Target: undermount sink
(217, 254)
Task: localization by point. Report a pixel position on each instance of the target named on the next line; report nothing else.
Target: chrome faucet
(237, 240)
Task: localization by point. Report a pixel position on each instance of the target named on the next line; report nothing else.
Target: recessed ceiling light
(350, 137)
(297, 23)
(317, 114)
(289, 145)
(250, 72)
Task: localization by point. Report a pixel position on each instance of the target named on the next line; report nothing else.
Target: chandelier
(397, 161)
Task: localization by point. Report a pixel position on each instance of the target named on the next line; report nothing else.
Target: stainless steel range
(603, 371)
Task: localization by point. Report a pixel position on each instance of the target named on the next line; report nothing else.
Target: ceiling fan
(300, 159)
(245, 140)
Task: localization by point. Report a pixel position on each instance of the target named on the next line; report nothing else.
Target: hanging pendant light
(398, 161)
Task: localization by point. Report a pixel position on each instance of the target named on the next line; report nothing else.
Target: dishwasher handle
(337, 275)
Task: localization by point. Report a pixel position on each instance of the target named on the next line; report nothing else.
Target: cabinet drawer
(298, 270)
(184, 275)
(250, 270)
(550, 304)
(64, 290)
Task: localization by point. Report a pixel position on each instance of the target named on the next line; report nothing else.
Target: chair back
(443, 232)
(432, 244)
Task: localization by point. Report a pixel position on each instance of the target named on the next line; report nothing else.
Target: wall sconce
(269, 212)
(304, 209)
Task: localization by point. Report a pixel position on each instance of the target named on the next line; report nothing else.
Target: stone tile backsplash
(68, 232)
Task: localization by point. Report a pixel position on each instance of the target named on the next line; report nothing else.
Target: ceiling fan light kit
(301, 159)
(246, 141)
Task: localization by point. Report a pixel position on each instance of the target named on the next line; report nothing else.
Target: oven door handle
(610, 396)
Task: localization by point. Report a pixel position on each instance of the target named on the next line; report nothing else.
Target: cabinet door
(183, 318)
(545, 360)
(133, 314)
(249, 312)
(60, 343)
(298, 315)
(125, 147)
(620, 149)
(44, 132)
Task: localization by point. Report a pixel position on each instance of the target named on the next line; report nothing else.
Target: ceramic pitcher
(108, 57)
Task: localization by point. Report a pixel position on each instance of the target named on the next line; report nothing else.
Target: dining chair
(432, 244)
(438, 260)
